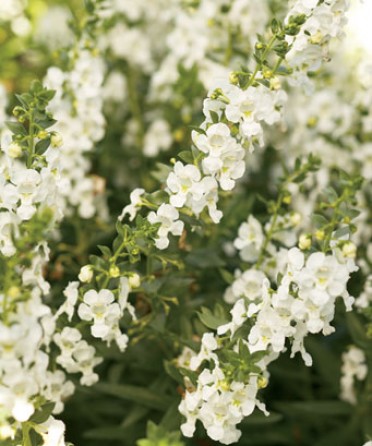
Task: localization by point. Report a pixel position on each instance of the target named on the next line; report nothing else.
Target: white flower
(97, 307)
(182, 182)
(248, 285)
(354, 367)
(134, 280)
(135, 204)
(158, 138)
(14, 150)
(71, 292)
(52, 432)
(22, 409)
(250, 239)
(86, 274)
(167, 216)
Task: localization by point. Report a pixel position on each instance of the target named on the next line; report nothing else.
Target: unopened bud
(287, 199)
(114, 271)
(17, 111)
(349, 250)
(267, 74)
(86, 274)
(295, 218)
(134, 280)
(275, 83)
(262, 382)
(304, 241)
(42, 134)
(56, 140)
(14, 150)
(316, 38)
(234, 78)
(14, 292)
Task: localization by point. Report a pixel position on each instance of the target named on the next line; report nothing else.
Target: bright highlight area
(359, 28)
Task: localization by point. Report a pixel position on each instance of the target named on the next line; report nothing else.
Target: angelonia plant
(185, 238)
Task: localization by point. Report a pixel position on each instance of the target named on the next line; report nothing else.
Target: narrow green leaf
(140, 395)
(16, 127)
(42, 146)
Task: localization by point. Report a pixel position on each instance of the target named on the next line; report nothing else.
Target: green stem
(31, 145)
(259, 65)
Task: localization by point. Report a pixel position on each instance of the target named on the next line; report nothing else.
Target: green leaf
(211, 320)
(358, 331)
(314, 408)
(205, 258)
(319, 220)
(106, 251)
(159, 197)
(162, 171)
(227, 276)
(172, 417)
(173, 371)
(43, 413)
(107, 433)
(47, 95)
(197, 129)
(139, 395)
(46, 123)
(186, 156)
(16, 127)
(342, 232)
(42, 146)
(330, 194)
(24, 99)
(135, 415)
(274, 26)
(214, 116)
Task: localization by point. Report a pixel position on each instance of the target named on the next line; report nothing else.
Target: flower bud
(14, 292)
(114, 271)
(267, 74)
(275, 83)
(234, 78)
(42, 134)
(287, 199)
(295, 218)
(14, 150)
(304, 241)
(134, 280)
(86, 274)
(56, 140)
(262, 382)
(349, 250)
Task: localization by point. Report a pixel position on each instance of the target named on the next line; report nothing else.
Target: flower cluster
(319, 23)
(302, 302)
(217, 401)
(31, 198)
(353, 367)
(77, 107)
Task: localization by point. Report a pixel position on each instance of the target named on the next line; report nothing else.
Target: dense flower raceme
(218, 158)
(215, 55)
(205, 49)
(31, 198)
(77, 107)
(301, 301)
(35, 190)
